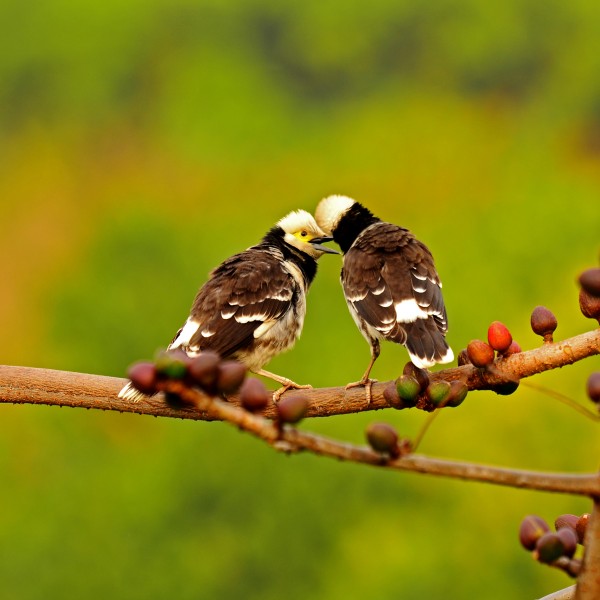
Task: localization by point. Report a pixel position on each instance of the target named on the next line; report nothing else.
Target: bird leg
(285, 383)
(366, 381)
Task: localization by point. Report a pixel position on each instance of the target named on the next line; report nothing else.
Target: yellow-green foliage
(143, 142)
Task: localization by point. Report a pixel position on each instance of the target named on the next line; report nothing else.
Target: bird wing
(243, 298)
(390, 280)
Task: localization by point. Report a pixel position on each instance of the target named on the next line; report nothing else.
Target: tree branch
(588, 582)
(291, 440)
(26, 385)
(42, 386)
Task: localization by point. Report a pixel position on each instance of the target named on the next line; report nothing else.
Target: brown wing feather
(241, 294)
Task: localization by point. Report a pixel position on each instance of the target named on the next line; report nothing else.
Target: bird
(252, 306)
(390, 284)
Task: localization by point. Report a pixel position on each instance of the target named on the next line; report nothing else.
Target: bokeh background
(141, 143)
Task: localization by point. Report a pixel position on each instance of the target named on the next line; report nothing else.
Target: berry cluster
(215, 377)
(206, 372)
(481, 354)
(414, 383)
(555, 548)
(589, 295)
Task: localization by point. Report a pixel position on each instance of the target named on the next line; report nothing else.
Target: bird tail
(426, 345)
(128, 392)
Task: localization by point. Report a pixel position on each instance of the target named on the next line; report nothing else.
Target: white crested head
(330, 210)
(301, 231)
(299, 220)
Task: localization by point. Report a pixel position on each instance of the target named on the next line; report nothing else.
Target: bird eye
(304, 234)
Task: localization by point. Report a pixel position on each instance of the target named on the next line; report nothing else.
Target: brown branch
(588, 582)
(22, 385)
(292, 439)
(42, 386)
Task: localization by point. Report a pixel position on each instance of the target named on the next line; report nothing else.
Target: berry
(143, 377)
(421, 375)
(480, 353)
(438, 392)
(507, 388)
(171, 365)
(514, 348)
(499, 337)
(531, 530)
(291, 409)
(408, 389)
(390, 394)
(549, 547)
(463, 358)
(566, 521)
(568, 537)
(543, 322)
(593, 387)
(581, 527)
(458, 392)
(230, 376)
(203, 370)
(383, 438)
(254, 396)
(589, 305)
(590, 281)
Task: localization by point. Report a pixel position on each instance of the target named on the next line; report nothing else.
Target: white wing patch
(408, 311)
(252, 317)
(186, 334)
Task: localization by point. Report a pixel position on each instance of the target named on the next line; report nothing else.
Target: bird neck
(304, 262)
(351, 225)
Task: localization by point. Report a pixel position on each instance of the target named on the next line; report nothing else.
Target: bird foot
(289, 385)
(367, 383)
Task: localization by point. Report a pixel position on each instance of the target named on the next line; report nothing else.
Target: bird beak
(316, 243)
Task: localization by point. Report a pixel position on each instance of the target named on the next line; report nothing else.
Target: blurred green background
(141, 143)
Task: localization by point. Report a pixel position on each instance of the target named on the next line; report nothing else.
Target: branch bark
(27, 385)
(588, 582)
(42, 386)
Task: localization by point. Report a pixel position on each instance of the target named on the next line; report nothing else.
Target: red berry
(514, 348)
(480, 353)
(499, 337)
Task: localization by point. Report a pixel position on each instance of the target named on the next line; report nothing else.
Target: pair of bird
(252, 307)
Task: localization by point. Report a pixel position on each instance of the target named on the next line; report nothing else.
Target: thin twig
(294, 439)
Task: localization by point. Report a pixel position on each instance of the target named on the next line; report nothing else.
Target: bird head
(301, 231)
(330, 211)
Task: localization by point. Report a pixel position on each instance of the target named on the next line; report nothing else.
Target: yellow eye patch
(304, 235)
